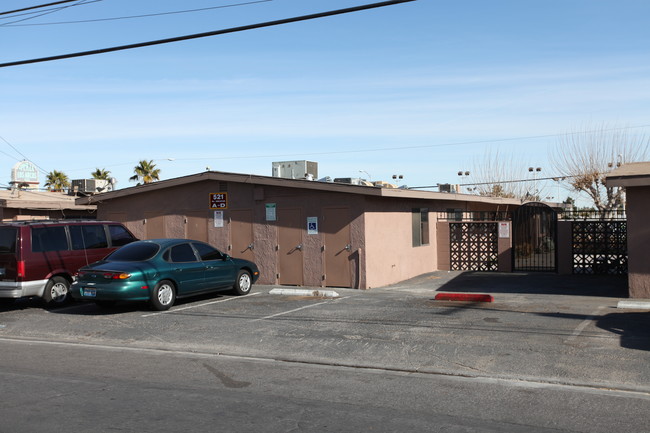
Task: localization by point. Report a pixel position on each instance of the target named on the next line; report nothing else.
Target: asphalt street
(548, 354)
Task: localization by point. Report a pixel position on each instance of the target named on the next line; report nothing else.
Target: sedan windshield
(134, 252)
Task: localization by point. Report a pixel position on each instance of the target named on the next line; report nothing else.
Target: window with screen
(420, 218)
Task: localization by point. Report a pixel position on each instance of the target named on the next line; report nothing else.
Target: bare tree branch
(586, 156)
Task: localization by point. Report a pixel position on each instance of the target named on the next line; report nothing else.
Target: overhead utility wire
(138, 16)
(54, 10)
(37, 7)
(421, 146)
(12, 146)
(206, 34)
(21, 154)
(499, 182)
(40, 13)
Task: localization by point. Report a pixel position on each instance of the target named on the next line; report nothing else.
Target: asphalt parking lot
(540, 328)
(549, 354)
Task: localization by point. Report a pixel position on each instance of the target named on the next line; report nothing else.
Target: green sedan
(160, 270)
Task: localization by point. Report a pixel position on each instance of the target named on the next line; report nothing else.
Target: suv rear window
(8, 239)
(49, 239)
(135, 252)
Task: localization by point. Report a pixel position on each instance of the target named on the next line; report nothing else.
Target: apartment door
(196, 226)
(241, 234)
(290, 255)
(337, 247)
(154, 225)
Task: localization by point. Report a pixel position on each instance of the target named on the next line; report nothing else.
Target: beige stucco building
(299, 232)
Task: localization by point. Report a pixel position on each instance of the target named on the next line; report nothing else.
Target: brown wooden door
(336, 240)
(241, 234)
(290, 256)
(154, 226)
(196, 226)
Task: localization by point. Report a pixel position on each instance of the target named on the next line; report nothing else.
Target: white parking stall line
(197, 306)
(581, 327)
(296, 309)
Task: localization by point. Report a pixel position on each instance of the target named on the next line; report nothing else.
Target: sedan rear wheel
(244, 283)
(163, 296)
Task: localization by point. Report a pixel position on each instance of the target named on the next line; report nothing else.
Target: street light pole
(534, 170)
(463, 175)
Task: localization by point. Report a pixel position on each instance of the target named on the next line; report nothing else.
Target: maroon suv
(41, 258)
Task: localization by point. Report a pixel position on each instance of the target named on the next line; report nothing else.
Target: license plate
(89, 292)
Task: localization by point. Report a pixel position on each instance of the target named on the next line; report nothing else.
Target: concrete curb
(634, 305)
(305, 292)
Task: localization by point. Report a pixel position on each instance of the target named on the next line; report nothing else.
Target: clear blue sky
(420, 89)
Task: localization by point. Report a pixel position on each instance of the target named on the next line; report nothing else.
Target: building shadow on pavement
(537, 283)
(631, 326)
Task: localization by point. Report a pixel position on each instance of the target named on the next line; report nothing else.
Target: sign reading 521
(218, 200)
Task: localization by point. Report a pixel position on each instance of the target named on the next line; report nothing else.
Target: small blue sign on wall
(312, 225)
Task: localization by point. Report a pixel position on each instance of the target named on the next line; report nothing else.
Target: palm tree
(101, 174)
(145, 172)
(57, 181)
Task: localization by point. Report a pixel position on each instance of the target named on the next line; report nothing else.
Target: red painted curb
(466, 297)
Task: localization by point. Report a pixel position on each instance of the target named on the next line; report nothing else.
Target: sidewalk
(529, 283)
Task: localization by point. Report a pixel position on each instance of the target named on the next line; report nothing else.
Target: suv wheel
(57, 291)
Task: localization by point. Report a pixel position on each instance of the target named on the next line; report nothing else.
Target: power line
(382, 149)
(422, 146)
(41, 14)
(51, 11)
(138, 16)
(206, 34)
(499, 182)
(37, 7)
(20, 153)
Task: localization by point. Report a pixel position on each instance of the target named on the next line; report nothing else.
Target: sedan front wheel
(244, 283)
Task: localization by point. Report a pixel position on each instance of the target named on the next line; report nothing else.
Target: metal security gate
(534, 238)
(599, 247)
(474, 246)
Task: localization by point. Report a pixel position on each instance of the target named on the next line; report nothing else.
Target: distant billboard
(24, 175)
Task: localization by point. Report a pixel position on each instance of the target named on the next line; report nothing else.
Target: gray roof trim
(630, 175)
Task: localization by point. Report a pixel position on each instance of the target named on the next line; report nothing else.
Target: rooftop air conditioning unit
(348, 180)
(447, 187)
(295, 169)
(89, 186)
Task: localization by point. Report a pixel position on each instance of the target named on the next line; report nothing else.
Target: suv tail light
(20, 269)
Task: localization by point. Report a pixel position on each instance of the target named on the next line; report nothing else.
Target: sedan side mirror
(225, 257)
